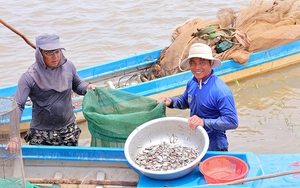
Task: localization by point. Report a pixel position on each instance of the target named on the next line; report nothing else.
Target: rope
(267, 176)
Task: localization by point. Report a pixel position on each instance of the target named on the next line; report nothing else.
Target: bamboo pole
(134, 183)
(17, 32)
(267, 176)
(81, 181)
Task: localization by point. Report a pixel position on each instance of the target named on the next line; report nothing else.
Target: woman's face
(51, 57)
(201, 68)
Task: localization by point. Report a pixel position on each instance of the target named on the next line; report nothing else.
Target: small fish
(164, 156)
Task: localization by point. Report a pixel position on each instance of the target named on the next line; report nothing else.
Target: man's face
(201, 68)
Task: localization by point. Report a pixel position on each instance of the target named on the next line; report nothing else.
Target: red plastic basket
(223, 169)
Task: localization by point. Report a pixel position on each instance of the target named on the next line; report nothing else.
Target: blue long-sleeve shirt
(213, 103)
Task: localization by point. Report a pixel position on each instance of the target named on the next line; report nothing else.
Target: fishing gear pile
(233, 35)
(112, 114)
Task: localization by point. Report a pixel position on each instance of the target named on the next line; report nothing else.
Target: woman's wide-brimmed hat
(47, 41)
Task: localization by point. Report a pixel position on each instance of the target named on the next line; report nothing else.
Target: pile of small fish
(164, 157)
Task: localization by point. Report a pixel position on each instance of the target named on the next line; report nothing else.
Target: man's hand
(167, 100)
(194, 121)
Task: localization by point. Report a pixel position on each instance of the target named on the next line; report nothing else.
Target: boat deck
(75, 162)
(259, 165)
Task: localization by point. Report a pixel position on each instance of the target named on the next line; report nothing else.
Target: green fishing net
(112, 114)
(18, 183)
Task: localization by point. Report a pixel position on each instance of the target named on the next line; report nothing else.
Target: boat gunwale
(173, 81)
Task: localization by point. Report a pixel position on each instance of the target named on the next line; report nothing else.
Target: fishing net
(261, 25)
(112, 114)
(11, 162)
(16, 183)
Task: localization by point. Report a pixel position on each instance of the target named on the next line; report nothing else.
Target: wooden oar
(81, 181)
(17, 32)
(267, 176)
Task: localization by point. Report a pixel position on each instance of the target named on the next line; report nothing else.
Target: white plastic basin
(159, 130)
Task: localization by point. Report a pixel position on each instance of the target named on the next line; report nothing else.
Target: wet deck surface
(267, 164)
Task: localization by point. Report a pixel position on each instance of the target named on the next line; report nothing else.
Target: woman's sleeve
(23, 91)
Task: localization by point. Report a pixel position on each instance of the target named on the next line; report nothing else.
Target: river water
(95, 32)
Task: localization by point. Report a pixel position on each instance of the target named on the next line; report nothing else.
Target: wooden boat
(124, 74)
(91, 166)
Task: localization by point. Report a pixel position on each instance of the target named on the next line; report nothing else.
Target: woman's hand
(91, 86)
(14, 144)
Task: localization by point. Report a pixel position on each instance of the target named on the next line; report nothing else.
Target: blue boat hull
(258, 165)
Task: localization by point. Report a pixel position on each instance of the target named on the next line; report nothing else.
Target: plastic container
(161, 130)
(223, 169)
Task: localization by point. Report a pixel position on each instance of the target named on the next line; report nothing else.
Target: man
(49, 83)
(209, 99)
